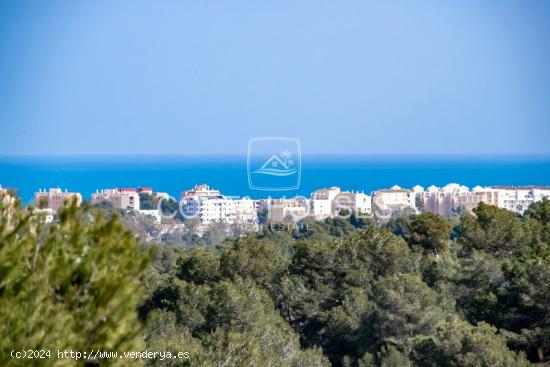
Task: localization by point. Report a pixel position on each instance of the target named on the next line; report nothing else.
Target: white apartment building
(441, 200)
(328, 202)
(210, 209)
(202, 190)
(518, 198)
(55, 198)
(357, 203)
(395, 198)
(280, 210)
(453, 198)
(322, 202)
(209, 205)
(245, 210)
(120, 198)
(478, 195)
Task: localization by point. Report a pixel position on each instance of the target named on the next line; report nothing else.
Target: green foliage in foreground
(419, 291)
(70, 285)
(468, 293)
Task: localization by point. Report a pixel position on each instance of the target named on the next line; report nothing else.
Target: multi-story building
(120, 198)
(394, 199)
(357, 203)
(210, 209)
(202, 190)
(280, 210)
(322, 202)
(55, 198)
(330, 202)
(441, 200)
(454, 198)
(245, 210)
(518, 198)
(209, 205)
(470, 200)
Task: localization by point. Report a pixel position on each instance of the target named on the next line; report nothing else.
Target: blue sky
(202, 77)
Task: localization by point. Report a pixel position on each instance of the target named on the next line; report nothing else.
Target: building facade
(454, 198)
(120, 198)
(245, 210)
(322, 202)
(55, 198)
(332, 201)
(518, 198)
(395, 199)
(209, 205)
(282, 210)
(356, 203)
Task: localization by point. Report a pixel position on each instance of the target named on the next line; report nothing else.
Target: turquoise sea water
(229, 174)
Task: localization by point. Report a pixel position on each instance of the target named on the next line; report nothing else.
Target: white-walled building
(280, 210)
(209, 209)
(120, 198)
(441, 200)
(322, 202)
(55, 198)
(329, 202)
(245, 210)
(518, 198)
(209, 205)
(202, 190)
(395, 198)
(478, 195)
(357, 203)
(454, 198)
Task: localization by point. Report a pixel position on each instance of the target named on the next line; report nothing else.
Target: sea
(231, 174)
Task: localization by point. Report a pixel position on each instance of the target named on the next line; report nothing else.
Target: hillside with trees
(419, 290)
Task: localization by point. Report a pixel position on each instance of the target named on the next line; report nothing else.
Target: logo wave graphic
(275, 171)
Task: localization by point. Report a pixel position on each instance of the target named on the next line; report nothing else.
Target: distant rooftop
(520, 187)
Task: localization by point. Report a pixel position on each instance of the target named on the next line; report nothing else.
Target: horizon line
(221, 155)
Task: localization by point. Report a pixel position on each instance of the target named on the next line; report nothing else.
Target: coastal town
(204, 206)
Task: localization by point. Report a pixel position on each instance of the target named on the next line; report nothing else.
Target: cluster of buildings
(208, 205)
(323, 203)
(454, 198)
(49, 201)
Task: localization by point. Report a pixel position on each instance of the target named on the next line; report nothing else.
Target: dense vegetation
(70, 285)
(419, 290)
